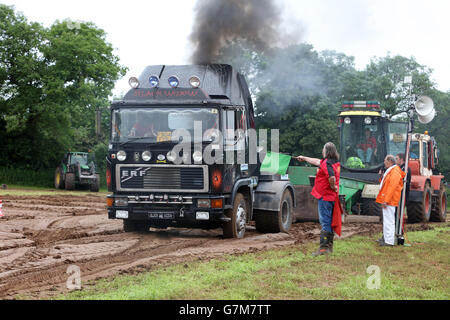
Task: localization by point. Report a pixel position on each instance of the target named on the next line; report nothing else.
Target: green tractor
(367, 136)
(77, 169)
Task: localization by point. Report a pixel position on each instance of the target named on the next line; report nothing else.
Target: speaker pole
(399, 238)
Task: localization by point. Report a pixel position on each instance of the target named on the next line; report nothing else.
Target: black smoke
(219, 22)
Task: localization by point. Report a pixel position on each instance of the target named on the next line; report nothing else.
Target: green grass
(420, 271)
(27, 177)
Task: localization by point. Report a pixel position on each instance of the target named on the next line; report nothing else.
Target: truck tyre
(135, 226)
(95, 185)
(59, 178)
(274, 222)
(439, 212)
(235, 228)
(70, 181)
(420, 211)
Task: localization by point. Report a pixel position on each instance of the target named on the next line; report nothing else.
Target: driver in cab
(143, 127)
(368, 147)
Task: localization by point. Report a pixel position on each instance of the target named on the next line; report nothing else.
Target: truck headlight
(197, 156)
(171, 156)
(203, 203)
(120, 202)
(347, 120)
(367, 120)
(146, 155)
(121, 155)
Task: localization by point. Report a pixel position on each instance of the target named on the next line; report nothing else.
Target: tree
(54, 81)
(384, 81)
(299, 91)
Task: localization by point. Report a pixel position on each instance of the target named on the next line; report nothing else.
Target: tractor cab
(367, 136)
(72, 158)
(423, 155)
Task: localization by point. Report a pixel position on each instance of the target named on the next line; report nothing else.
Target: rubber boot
(324, 244)
(330, 242)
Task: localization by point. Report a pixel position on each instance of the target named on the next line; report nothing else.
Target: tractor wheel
(135, 226)
(439, 212)
(420, 211)
(70, 181)
(95, 185)
(274, 222)
(238, 215)
(59, 178)
(371, 208)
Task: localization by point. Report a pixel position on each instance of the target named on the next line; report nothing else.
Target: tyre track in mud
(45, 235)
(41, 236)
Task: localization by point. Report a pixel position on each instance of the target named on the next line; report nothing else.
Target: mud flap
(268, 194)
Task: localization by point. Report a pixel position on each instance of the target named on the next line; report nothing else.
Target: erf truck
(164, 133)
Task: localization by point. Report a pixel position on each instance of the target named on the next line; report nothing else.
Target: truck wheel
(420, 211)
(274, 222)
(135, 226)
(95, 185)
(439, 212)
(70, 181)
(238, 215)
(59, 181)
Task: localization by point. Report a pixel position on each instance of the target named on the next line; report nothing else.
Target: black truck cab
(181, 155)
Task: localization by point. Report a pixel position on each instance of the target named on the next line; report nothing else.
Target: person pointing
(326, 190)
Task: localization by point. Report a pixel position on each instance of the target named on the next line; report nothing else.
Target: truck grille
(164, 178)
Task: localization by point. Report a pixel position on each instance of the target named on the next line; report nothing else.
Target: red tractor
(427, 199)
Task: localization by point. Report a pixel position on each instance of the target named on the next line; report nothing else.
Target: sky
(156, 31)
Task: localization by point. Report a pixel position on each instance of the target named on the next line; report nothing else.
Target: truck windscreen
(157, 124)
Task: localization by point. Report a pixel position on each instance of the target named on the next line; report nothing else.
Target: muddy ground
(41, 236)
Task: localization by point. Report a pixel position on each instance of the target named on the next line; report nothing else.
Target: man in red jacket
(326, 190)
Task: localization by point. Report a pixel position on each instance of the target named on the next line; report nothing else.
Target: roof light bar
(194, 81)
(133, 82)
(361, 104)
(154, 81)
(173, 81)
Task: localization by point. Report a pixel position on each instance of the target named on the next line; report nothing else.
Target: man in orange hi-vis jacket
(389, 197)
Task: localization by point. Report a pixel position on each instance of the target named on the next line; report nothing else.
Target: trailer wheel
(59, 178)
(274, 222)
(420, 211)
(70, 181)
(135, 226)
(439, 212)
(238, 215)
(95, 186)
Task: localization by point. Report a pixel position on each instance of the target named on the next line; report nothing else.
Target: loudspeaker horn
(424, 106)
(426, 119)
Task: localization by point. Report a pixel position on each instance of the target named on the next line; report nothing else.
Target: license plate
(161, 215)
(121, 214)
